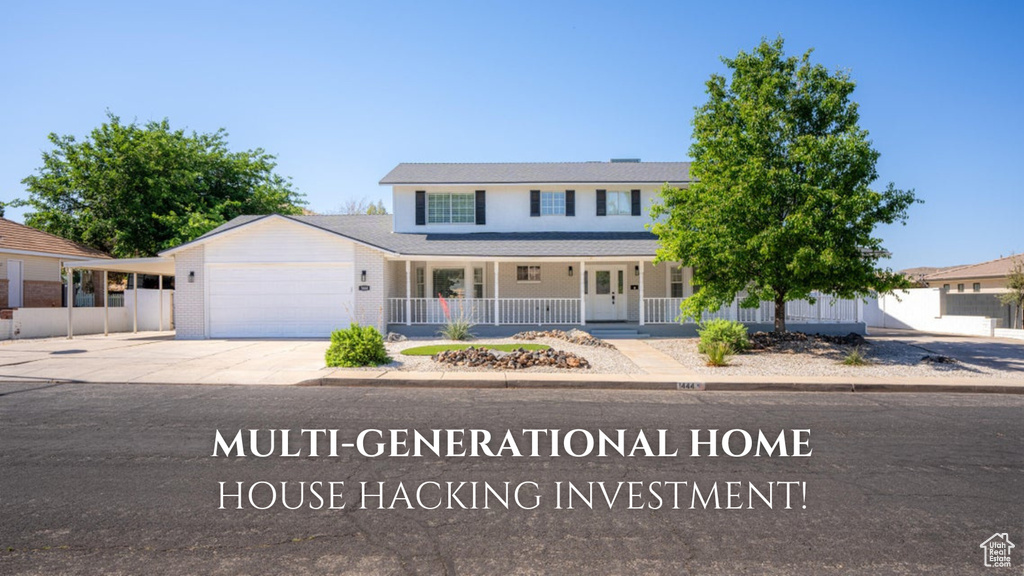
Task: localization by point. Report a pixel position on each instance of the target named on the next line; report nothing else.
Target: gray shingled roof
(376, 231)
(540, 173)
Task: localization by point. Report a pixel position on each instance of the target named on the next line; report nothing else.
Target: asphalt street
(120, 479)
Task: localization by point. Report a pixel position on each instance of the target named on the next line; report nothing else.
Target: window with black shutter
(421, 207)
(481, 208)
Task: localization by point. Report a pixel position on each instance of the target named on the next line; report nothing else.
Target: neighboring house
(955, 300)
(30, 265)
(974, 290)
(554, 244)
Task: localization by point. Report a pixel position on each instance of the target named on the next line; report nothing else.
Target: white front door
(15, 283)
(606, 293)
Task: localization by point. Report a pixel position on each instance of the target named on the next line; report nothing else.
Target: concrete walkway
(648, 358)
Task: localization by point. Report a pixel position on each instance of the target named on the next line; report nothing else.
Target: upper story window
(552, 203)
(450, 208)
(619, 202)
(977, 287)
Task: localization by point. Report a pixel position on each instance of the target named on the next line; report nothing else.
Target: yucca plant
(718, 353)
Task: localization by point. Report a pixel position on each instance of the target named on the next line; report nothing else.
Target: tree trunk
(780, 313)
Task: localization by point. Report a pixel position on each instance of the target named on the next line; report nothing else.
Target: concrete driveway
(156, 357)
(997, 353)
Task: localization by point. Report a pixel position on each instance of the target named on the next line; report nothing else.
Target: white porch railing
(539, 310)
(827, 309)
(481, 310)
(115, 300)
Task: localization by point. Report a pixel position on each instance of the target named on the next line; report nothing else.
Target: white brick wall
(189, 309)
(369, 304)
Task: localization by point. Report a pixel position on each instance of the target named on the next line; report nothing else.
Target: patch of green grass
(431, 350)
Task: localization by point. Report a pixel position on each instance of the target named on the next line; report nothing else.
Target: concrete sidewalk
(156, 358)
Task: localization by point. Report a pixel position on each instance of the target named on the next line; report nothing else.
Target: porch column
(106, 306)
(583, 297)
(71, 300)
(160, 287)
(497, 308)
(135, 303)
(641, 287)
(408, 293)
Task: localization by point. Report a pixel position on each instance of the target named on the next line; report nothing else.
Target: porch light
(362, 277)
(636, 270)
(570, 271)
(192, 277)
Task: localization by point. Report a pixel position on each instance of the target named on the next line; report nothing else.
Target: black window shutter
(481, 208)
(421, 207)
(634, 199)
(534, 202)
(602, 203)
(570, 202)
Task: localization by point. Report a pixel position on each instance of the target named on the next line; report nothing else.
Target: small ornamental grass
(356, 346)
(457, 329)
(856, 358)
(718, 353)
(729, 332)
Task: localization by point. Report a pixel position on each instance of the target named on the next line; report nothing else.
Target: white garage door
(252, 301)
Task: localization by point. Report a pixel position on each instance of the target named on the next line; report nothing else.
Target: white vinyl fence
(825, 310)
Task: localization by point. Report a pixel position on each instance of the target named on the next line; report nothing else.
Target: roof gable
(14, 236)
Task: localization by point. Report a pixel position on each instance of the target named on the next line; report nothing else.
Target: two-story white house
(562, 244)
(502, 245)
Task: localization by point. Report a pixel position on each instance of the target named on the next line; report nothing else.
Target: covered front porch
(568, 292)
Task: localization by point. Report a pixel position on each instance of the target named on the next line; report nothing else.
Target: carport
(159, 267)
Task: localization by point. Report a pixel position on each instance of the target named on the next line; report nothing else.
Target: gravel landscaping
(815, 358)
(602, 360)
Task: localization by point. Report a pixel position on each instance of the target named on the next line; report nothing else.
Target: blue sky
(341, 92)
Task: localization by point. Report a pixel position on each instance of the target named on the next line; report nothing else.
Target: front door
(14, 283)
(606, 294)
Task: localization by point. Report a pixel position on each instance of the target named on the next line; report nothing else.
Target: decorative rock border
(514, 360)
(574, 336)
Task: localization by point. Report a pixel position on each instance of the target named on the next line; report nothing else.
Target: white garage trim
(295, 300)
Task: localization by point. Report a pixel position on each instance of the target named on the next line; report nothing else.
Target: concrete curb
(734, 386)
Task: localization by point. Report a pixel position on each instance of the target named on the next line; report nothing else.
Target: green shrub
(457, 329)
(732, 333)
(718, 353)
(357, 346)
(856, 358)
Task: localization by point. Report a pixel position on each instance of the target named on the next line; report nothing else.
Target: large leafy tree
(781, 205)
(134, 190)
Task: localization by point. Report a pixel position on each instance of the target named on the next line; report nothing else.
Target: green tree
(1015, 285)
(377, 208)
(133, 190)
(780, 205)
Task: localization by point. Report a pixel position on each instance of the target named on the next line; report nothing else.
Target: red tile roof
(14, 236)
